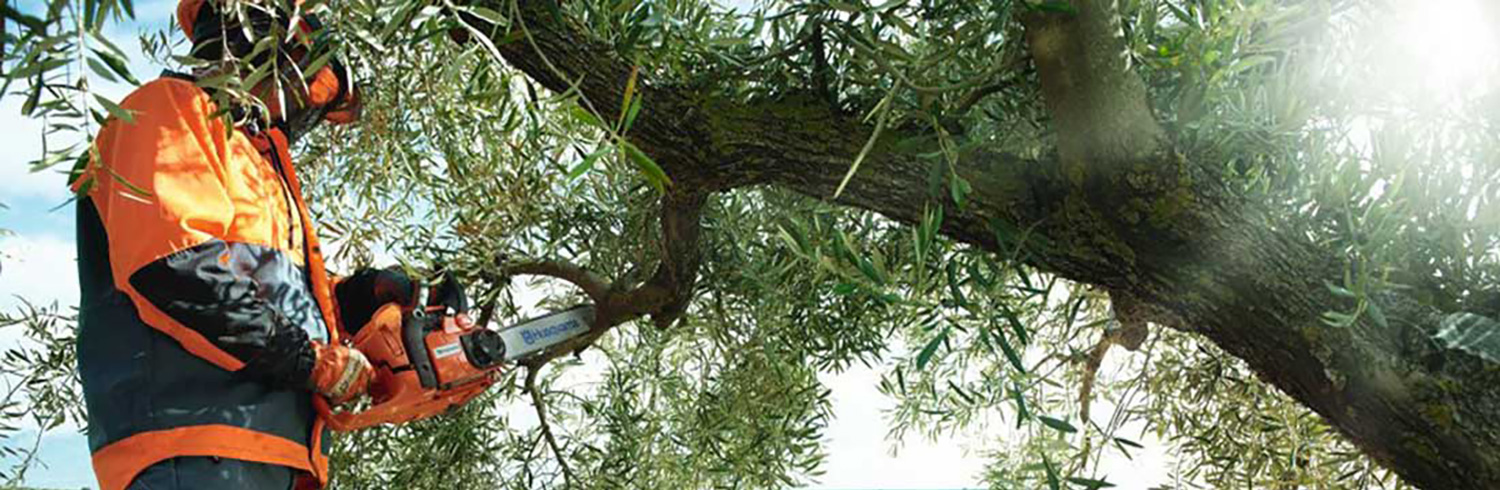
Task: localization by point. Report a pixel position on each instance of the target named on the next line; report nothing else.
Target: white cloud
(22, 143)
(40, 268)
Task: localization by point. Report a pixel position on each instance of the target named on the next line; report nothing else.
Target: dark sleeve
(224, 290)
(365, 291)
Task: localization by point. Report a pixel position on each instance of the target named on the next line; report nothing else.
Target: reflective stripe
(117, 464)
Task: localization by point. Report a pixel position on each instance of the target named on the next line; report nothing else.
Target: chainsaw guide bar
(537, 334)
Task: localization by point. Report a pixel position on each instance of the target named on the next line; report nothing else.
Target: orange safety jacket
(202, 286)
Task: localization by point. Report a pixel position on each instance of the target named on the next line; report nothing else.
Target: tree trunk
(1116, 207)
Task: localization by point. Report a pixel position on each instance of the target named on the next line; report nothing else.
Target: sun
(1452, 46)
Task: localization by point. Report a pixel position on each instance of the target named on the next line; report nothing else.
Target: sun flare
(1451, 46)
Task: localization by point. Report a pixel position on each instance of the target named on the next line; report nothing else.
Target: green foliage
(459, 449)
(40, 384)
(1241, 432)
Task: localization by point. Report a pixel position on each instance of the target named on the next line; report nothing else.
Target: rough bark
(1115, 207)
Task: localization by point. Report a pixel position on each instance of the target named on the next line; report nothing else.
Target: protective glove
(365, 291)
(340, 373)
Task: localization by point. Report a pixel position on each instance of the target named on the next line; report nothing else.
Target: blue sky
(38, 262)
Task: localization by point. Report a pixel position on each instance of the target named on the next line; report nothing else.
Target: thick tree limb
(553, 55)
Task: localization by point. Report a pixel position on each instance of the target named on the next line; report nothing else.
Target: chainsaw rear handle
(398, 411)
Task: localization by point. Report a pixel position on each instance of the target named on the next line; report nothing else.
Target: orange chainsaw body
(425, 363)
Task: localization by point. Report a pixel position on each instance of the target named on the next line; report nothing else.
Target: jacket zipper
(294, 215)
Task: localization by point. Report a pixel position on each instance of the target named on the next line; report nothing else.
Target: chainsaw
(431, 359)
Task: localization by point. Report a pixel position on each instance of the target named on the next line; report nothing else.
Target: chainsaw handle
(414, 330)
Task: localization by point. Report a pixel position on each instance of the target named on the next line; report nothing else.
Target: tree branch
(592, 285)
(541, 415)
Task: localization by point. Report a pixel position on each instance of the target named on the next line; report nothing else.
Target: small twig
(1012, 68)
(979, 94)
(484, 38)
(790, 50)
(820, 71)
(884, 65)
(541, 415)
(1086, 392)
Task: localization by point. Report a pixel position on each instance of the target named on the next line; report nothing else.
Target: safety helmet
(332, 95)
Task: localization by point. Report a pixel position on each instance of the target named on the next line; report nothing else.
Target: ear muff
(332, 87)
(347, 112)
(325, 88)
(333, 90)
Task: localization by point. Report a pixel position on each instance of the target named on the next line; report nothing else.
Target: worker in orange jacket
(207, 322)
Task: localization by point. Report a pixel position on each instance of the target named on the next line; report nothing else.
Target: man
(207, 321)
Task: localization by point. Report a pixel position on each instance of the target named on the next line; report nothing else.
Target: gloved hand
(340, 373)
(360, 294)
